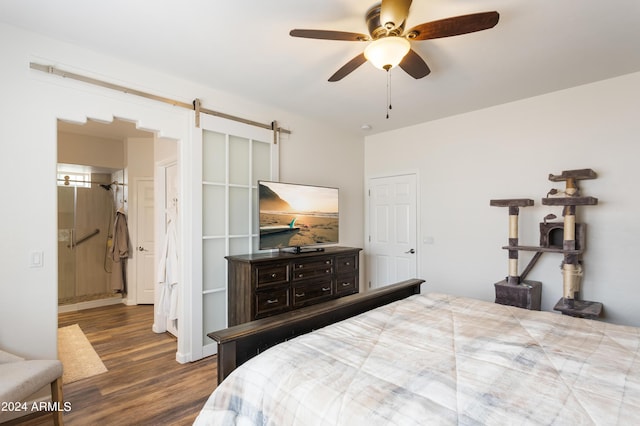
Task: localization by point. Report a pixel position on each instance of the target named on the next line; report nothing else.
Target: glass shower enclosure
(85, 225)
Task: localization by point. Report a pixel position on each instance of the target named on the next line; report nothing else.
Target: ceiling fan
(389, 43)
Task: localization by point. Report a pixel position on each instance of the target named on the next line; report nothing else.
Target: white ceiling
(244, 47)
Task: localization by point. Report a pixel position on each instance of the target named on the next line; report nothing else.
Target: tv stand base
(298, 250)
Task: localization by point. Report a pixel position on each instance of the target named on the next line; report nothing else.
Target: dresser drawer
(311, 292)
(312, 263)
(312, 269)
(346, 264)
(270, 302)
(346, 284)
(271, 275)
(312, 273)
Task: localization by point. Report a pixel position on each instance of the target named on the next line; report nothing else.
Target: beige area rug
(79, 359)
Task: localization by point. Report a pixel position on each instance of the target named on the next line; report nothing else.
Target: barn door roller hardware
(195, 105)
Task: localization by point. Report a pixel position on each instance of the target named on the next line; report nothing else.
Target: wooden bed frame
(239, 343)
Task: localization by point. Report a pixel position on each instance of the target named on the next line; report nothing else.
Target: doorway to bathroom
(99, 165)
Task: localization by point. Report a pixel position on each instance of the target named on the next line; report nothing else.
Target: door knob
(140, 248)
(410, 251)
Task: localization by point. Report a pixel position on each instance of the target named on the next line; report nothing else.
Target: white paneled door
(391, 248)
(145, 242)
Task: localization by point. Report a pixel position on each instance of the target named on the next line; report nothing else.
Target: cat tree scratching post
(570, 303)
(567, 238)
(513, 290)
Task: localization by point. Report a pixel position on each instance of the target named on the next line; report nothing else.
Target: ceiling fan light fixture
(387, 52)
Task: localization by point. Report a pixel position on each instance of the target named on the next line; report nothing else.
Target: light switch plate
(36, 259)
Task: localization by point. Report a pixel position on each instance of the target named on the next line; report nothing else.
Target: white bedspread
(439, 359)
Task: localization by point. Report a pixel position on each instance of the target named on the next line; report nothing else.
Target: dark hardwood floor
(145, 385)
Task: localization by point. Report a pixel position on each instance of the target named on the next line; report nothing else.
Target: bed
(440, 359)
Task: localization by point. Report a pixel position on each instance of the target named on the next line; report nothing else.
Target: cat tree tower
(566, 237)
(514, 290)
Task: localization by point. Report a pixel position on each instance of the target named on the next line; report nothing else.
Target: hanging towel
(168, 274)
(120, 252)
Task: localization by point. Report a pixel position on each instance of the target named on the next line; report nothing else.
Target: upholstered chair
(20, 378)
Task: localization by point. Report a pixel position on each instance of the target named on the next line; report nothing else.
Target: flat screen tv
(298, 217)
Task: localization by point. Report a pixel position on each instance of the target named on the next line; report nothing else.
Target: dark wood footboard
(239, 343)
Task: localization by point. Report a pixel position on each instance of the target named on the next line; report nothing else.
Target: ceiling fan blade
(329, 35)
(414, 65)
(348, 68)
(393, 13)
(454, 26)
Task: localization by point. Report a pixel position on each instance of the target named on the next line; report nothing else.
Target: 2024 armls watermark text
(19, 406)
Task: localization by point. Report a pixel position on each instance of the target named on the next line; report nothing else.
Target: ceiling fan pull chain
(388, 92)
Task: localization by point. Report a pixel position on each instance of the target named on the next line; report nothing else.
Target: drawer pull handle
(327, 271)
(326, 288)
(327, 262)
(347, 263)
(299, 294)
(346, 284)
(300, 275)
(272, 301)
(274, 275)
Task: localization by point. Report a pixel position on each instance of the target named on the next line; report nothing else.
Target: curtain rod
(193, 106)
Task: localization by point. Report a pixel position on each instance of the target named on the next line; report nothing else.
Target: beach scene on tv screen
(297, 215)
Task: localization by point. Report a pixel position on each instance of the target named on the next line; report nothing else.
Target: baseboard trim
(90, 304)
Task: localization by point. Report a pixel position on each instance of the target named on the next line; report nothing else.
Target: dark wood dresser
(265, 284)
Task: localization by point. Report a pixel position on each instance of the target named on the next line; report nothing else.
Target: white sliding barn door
(234, 157)
(391, 248)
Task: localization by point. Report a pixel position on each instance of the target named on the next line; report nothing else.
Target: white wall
(321, 159)
(508, 152)
(31, 103)
(94, 151)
